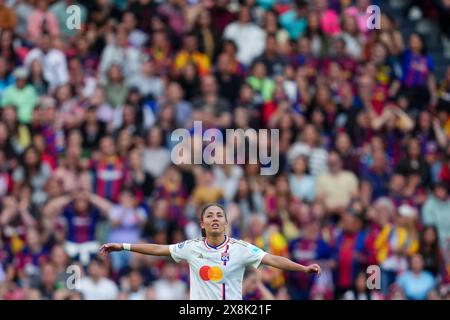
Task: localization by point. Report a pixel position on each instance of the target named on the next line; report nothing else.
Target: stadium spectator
(52, 59)
(338, 186)
(416, 283)
(253, 288)
(395, 243)
(435, 212)
(169, 286)
(247, 35)
(21, 95)
(95, 285)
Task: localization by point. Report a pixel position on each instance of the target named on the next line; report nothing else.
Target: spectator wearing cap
(8, 19)
(21, 95)
(436, 211)
(416, 283)
(248, 36)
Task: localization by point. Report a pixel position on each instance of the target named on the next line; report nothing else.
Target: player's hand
(110, 247)
(314, 268)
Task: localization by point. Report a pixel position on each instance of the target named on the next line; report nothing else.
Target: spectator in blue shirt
(416, 283)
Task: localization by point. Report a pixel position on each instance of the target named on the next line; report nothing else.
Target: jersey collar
(220, 246)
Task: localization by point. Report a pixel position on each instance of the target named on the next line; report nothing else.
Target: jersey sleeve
(253, 256)
(180, 251)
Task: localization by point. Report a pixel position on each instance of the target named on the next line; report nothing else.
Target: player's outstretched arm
(144, 248)
(288, 265)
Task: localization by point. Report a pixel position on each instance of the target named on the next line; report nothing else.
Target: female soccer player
(216, 262)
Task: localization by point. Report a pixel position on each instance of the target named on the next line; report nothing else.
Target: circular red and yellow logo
(211, 273)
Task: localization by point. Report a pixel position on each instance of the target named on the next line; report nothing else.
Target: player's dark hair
(205, 207)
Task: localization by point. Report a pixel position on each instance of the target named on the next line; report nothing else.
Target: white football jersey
(216, 273)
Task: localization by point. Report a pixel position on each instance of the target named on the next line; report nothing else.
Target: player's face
(214, 221)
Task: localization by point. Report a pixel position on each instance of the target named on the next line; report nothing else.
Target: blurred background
(87, 113)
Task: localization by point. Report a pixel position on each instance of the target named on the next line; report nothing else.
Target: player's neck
(215, 241)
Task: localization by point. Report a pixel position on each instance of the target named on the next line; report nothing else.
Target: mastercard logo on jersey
(208, 273)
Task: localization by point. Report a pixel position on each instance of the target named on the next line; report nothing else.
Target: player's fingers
(319, 270)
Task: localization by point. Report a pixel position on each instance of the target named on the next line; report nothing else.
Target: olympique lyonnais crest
(225, 256)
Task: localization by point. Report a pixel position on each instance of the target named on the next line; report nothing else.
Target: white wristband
(126, 246)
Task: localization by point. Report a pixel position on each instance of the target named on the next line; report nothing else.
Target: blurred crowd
(85, 146)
